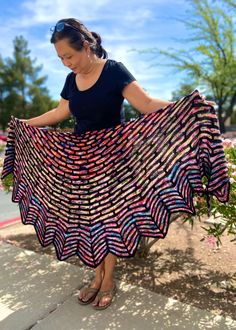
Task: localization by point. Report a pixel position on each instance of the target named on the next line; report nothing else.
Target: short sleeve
(124, 77)
(66, 88)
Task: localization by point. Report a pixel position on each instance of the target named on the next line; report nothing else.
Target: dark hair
(76, 33)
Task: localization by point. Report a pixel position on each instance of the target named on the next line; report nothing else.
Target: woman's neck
(93, 64)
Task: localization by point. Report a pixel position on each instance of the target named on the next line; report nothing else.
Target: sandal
(102, 293)
(88, 289)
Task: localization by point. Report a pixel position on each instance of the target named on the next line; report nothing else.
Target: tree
(1, 90)
(23, 93)
(210, 59)
(183, 90)
(232, 3)
(129, 112)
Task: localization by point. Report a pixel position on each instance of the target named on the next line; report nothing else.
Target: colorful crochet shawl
(100, 191)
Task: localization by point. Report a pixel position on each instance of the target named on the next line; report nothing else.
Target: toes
(104, 301)
(95, 302)
(86, 297)
(83, 296)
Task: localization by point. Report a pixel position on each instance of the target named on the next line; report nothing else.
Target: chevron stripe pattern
(100, 191)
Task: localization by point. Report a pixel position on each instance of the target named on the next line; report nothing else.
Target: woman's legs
(96, 283)
(108, 281)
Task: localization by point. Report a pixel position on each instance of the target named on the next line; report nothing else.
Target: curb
(10, 221)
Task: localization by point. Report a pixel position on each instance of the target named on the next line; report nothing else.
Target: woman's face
(76, 60)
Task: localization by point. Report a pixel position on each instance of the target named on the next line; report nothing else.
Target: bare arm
(51, 117)
(144, 103)
(140, 100)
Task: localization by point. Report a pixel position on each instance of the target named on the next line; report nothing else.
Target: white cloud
(139, 16)
(46, 11)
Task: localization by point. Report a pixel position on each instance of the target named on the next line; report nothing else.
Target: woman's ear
(86, 45)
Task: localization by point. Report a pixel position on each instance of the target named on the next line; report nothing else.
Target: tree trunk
(221, 120)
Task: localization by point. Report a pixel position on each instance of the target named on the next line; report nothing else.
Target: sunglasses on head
(60, 26)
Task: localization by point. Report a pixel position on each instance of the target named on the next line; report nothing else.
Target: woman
(93, 93)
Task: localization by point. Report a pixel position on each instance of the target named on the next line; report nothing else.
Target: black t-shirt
(100, 105)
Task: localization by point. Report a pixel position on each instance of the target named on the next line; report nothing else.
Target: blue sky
(123, 26)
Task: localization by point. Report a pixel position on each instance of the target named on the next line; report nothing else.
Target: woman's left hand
(209, 102)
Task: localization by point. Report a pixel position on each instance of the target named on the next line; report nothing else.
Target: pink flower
(233, 173)
(231, 180)
(228, 143)
(211, 241)
(234, 142)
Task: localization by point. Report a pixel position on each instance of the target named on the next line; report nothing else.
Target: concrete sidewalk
(40, 293)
